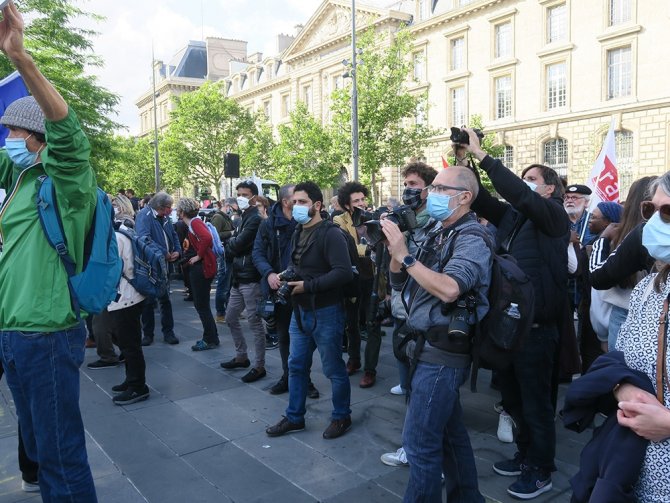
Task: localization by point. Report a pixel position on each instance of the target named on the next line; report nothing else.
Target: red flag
(604, 177)
(445, 164)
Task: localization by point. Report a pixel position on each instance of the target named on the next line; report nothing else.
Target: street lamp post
(157, 167)
(354, 93)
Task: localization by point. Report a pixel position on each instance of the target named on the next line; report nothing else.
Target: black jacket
(628, 258)
(610, 463)
(541, 243)
(324, 266)
(240, 246)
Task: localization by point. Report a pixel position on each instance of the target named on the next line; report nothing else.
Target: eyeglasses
(441, 189)
(647, 208)
(570, 197)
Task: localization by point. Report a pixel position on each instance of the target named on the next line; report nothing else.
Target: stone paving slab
(201, 435)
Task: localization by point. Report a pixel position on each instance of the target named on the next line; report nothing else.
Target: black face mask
(412, 197)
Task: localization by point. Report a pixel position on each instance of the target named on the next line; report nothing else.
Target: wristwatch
(408, 261)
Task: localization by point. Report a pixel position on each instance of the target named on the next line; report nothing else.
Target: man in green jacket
(41, 338)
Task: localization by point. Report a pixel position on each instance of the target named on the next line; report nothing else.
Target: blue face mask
(19, 153)
(656, 238)
(533, 186)
(438, 206)
(301, 214)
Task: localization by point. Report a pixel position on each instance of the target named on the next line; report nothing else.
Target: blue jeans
(617, 317)
(42, 371)
(436, 440)
(321, 329)
(223, 278)
(527, 396)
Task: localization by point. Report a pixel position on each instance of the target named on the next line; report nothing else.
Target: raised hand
(11, 32)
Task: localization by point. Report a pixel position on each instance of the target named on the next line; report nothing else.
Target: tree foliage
(62, 52)
(389, 132)
(306, 150)
(204, 126)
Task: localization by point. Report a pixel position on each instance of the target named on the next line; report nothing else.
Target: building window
(424, 9)
(307, 96)
(419, 65)
(623, 144)
(458, 115)
(503, 40)
(461, 3)
(503, 97)
(556, 85)
(457, 53)
(619, 70)
(338, 82)
(557, 23)
(620, 11)
(507, 157)
(267, 109)
(556, 155)
(420, 116)
(285, 105)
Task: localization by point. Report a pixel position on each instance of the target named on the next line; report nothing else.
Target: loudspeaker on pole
(231, 165)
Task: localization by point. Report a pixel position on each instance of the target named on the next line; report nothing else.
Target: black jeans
(128, 333)
(526, 395)
(27, 466)
(283, 314)
(352, 328)
(149, 321)
(200, 288)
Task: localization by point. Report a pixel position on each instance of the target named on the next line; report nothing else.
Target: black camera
(462, 137)
(283, 295)
(265, 308)
(460, 325)
(403, 216)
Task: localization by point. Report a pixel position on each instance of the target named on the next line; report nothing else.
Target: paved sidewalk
(201, 435)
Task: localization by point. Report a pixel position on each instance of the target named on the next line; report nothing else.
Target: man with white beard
(575, 202)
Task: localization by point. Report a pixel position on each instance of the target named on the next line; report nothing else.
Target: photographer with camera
(350, 196)
(271, 256)
(444, 288)
(321, 268)
(533, 225)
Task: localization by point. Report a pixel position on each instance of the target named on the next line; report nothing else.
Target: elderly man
(454, 263)
(154, 221)
(575, 202)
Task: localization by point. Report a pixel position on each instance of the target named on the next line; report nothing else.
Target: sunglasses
(647, 208)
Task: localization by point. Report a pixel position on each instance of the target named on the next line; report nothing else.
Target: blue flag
(12, 88)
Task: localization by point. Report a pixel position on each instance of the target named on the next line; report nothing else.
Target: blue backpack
(96, 286)
(217, 246)
(151, 269)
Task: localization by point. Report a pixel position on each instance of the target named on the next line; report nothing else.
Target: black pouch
(440, 338)
(401, 336)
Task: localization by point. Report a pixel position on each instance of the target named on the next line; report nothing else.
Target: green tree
(389, 132)
(204, 126)
(62, 52)
(306, 150)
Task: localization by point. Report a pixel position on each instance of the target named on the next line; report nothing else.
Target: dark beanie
(611, 211)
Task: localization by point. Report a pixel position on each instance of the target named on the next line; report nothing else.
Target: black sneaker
(531, 483)
(337, 428)
(171, 339)
(283, 427)
(236, 364)
(147, 341)
(120, 388)
(312, 392)
(99, 364)
(271, 342)
(510, 467)
(280, 387)
(254, 375)
(131, 396)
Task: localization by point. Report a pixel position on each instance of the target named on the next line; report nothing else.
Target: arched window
(556, 155)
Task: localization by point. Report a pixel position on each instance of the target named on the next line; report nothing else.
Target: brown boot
(368, 379)
(353, 365)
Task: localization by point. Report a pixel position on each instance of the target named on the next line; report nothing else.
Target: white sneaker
(397, 390)
(397, 458)
(30, 487)
(505, 428)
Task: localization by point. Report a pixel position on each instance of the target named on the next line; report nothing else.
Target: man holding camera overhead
(321, 268)
(447, 280)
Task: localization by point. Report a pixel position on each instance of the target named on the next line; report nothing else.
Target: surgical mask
(656, 238)
(116, 210)
(412, 197)
(242, 203)
(301, 214)
(438, 206)
(533, 186)
(19, 153)
(422, 218)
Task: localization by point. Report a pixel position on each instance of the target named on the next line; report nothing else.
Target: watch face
(408, 261)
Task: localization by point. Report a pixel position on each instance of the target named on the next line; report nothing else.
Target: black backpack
(500, 334)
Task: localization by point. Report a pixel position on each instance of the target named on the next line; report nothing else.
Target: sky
(131, 26)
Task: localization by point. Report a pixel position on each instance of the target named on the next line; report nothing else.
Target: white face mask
(116, 210)
(242, 203)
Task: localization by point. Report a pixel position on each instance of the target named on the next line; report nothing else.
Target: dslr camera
(283, 295)
(403, 216)
(462, 137)
(461, 311)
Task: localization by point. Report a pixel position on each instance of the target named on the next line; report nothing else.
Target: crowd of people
(302, 276)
